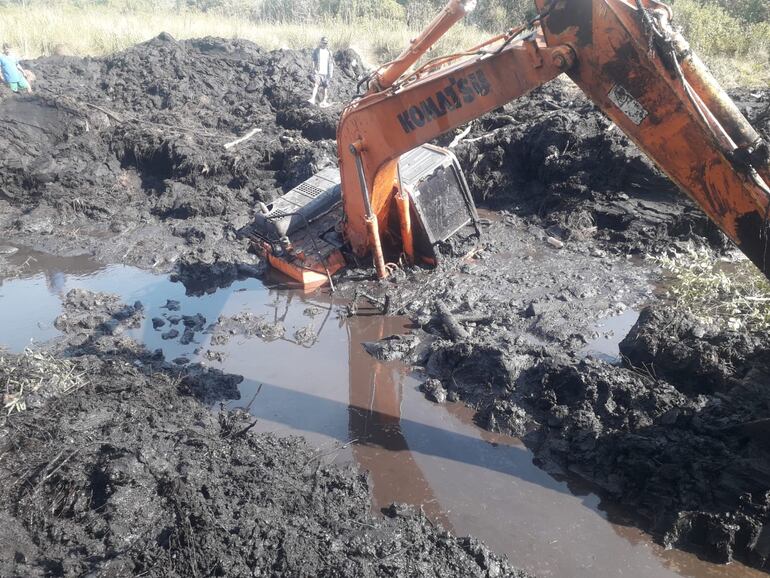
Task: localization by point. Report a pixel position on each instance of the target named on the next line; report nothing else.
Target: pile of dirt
(678, 433)
(130, 147)
(555, 159)
(133, 475)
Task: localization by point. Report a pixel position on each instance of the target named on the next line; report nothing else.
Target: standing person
(323, 69)
(13, 74)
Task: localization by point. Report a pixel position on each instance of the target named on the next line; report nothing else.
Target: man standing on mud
(13, 74)
(323, 68)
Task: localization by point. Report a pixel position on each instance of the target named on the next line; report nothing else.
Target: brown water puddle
(356, 409)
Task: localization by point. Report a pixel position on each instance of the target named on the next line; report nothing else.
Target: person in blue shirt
(13, 74)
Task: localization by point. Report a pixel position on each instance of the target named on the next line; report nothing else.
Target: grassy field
(738, 52)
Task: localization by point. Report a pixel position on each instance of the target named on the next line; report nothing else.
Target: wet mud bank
(130, 147)
(675, 427)
(554, 159)
(130, 473)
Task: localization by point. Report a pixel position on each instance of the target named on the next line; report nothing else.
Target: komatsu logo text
(459, 92)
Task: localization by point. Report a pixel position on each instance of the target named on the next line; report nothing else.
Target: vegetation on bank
(733, 36)
(721, 294)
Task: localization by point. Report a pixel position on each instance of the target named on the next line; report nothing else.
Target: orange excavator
(396, 195)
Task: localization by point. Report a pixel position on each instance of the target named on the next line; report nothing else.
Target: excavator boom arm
(624, 54)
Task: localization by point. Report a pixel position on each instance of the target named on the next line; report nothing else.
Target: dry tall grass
(39, 31)
(739, 53)
(720, 294)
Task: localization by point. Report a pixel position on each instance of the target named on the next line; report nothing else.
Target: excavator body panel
(388, 124)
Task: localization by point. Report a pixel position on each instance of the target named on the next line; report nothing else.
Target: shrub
(387, 11)
(747, 10)
(711, 29)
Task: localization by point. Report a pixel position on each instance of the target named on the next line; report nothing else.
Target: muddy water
(317, 381)
(610, 331)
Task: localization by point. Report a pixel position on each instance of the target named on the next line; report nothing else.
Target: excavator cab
(299, 233)
(440, 201)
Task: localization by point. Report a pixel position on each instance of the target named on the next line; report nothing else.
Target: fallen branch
(243, 431)
(109, 113)
(244, 138)
(120, 120)
(478, 319)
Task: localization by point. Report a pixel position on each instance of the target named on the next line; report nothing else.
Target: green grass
(737, 51)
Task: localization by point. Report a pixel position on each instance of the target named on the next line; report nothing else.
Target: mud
(674, 427)
(130, 147)
(132, 474)
(557, 161)
(122, 158)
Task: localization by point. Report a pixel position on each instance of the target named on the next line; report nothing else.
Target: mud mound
(678, 435)
(131, 475)
(694, 468)
(94, 314)
(675, 347)
(130, 146)
(555, 158)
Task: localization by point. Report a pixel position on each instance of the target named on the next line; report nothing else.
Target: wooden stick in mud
(453, 327)
(103, 110)
(244, 138)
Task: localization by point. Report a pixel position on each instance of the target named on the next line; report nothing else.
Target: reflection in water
(328, 389)
(375, 423)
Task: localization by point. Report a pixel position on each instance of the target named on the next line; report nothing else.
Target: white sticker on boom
(631, 107)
